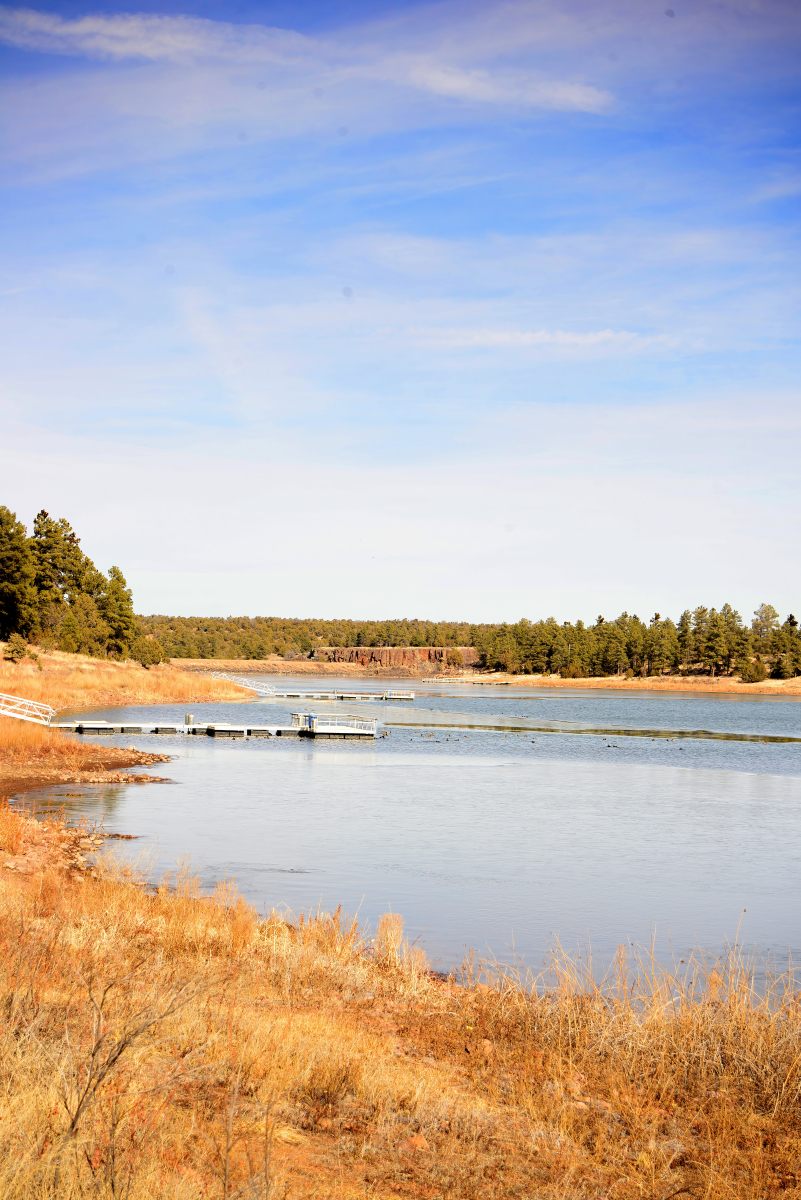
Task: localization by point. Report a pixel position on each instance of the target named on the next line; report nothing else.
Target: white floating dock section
(269, 690)
(308, 725)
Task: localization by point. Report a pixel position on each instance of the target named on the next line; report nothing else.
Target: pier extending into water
(308, 725)
(269, 690)
(303, 724)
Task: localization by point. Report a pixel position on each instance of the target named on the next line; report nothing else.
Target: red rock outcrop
(388, 657)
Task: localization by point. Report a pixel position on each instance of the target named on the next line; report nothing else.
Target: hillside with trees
(53, 595)
(705, 640)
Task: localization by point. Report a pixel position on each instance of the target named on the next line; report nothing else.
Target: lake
(492, 817)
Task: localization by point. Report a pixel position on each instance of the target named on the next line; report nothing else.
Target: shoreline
(667, 683)
(107, 768)
(340, 1064)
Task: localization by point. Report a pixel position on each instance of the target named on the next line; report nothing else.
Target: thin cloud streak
(484, 284)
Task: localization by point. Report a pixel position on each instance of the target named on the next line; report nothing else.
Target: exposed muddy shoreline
(110, 765)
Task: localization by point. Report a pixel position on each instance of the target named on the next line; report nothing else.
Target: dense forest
(259, 637)
(51, 594)
(704, 640)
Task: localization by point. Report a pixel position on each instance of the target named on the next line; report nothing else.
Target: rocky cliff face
(415, 657)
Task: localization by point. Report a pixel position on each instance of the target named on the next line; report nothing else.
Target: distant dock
(270, 691)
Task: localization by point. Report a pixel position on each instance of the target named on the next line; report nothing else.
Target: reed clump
(162, 1042)
(76, 681)
(25, 742)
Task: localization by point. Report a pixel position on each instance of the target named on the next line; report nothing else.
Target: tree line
(705, 640)
(53, 595)
(260, 637)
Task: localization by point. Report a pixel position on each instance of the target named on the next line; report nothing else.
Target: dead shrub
(329, 1079)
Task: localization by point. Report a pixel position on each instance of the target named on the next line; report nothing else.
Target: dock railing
(26, 710)
(322, 724)
(262, 689)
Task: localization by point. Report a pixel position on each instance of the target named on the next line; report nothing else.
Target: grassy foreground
(76, 681)
(162, 1043)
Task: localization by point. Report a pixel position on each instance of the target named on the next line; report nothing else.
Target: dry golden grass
(12, 828)
(75, 681)
(160, 1043)
(33, 755)
(24, 742)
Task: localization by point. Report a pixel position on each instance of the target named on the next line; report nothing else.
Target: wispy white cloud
(620, 340)
(502, 87)
(176, 39)
(190, 41)
(546, 336)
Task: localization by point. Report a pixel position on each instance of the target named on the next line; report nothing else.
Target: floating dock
(308, 725)
(269, 690)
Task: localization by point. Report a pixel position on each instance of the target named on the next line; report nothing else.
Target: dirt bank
(34, 756)
(107, 767)
(34, 849)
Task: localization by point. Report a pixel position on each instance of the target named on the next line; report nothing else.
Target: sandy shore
(699, 684)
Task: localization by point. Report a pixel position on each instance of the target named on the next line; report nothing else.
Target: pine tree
(685, 637)
(716, 643)
(116, 608)
(614, 659)
(700, 622)
(764, 625)
(83, 630)
(18, 608)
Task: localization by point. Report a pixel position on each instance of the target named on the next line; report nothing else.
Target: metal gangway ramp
(263, 689)
(26, 710)
(303, 692)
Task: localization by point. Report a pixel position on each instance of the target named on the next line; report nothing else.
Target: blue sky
(465, 311)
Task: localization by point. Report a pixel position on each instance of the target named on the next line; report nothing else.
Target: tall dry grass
(12, 828)
(75, 681)
(165, 1043)
(28, 750)
(25, 742)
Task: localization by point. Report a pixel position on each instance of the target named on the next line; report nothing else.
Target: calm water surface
(494, 819)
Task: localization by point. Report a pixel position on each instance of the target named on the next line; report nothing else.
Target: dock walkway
(270, 691)
(308, 725)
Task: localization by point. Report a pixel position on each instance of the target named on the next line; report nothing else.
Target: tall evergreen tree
(716, 643)
(685, 636)
(700, 623)
(18, 607)
(116, 608)
(764, 625)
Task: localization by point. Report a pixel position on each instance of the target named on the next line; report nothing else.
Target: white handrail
(314, 722)
(26, 710)
(262, 689)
